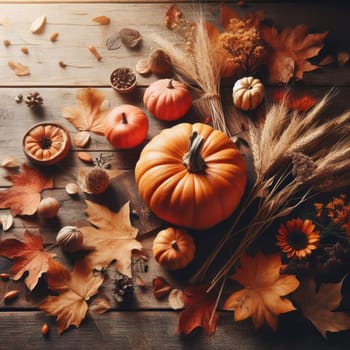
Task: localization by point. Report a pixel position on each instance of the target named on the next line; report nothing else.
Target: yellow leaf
(88, 114)
(102, 20)
(113, 237)
(19, 68)
(262, 297)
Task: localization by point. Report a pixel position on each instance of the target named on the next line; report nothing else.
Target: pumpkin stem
(124, 119)
(193, 159)
(174, 245)
(170, 84)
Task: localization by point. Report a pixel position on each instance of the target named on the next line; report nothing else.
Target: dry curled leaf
(143, 67)
(290, 51)
(81, 139)
(114, 42)
(326, 60)
(6, 221)
(101, 20)
(343, 58)
(161, 287)
(130, 37)
(19, 68)
(176, 299)
(38, 24)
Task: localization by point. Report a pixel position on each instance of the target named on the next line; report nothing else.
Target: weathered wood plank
(141, 331)
(77, 31)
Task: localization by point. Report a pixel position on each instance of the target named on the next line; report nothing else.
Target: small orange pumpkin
(167, 99)
(191, 175)
(173, 248)
(46, 143)
(126, 126)
(247, 93)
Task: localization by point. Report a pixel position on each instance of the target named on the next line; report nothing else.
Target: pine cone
(33, 100)
(123, 288)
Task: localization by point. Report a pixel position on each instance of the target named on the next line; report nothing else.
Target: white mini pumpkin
(247, 93)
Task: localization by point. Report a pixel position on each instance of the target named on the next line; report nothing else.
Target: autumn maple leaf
(74, 290)
(113, 237)
(290, 51)
(318, 305)
(199, 310)
(262, 297)
(28, 256)
(88, 115)
(24, 196)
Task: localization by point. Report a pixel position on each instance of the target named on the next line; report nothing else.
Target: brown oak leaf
(113, 237)
(318, 305)
(290, 51)
(74, 290)
(19, 68)
(199, 310)
(88, 114)
(28, 256)
(24, 196)
(262, 297)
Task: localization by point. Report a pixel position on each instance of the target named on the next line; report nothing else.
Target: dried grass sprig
(295, 155)
(201, 70)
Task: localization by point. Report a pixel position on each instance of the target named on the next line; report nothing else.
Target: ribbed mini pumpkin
(173, 248)
(46, 143)
(167, 99)
(248, 93)
(191, 175)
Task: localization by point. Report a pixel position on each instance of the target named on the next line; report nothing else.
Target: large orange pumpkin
(167, 99)
(191, 175)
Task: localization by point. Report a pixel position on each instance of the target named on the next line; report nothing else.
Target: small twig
(64, 65)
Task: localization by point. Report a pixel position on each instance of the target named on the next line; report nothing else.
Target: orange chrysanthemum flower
(298, 238)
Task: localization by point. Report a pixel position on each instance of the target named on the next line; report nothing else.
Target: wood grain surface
(144, 323)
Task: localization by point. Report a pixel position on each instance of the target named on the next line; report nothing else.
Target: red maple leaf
(199, 310)
(24, 196)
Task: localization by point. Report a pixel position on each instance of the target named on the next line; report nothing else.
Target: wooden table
(145, 323)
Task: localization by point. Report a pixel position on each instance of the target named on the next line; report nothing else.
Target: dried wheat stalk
(310, 149)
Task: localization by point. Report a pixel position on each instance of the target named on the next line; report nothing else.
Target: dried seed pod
(72, 189)
(343, 58)
(142, 67)
(48, 207)
(94, 51)
(54, 36)
(81, 139)
(11, 295)
(7, 43)
(6, 221)
(45, 329)
(25, 50)
(85, 157)
(19, 98)
(70, 238)
(96, 181)
(160, 62)
(10, 162)
(38, 24)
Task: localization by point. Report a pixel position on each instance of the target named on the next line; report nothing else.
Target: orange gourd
(173, 248)
(126, 126)
(167, 99)
(46, 143)
(191, 175)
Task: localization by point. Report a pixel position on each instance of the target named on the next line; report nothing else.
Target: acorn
(70, 238)
(96, 181)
